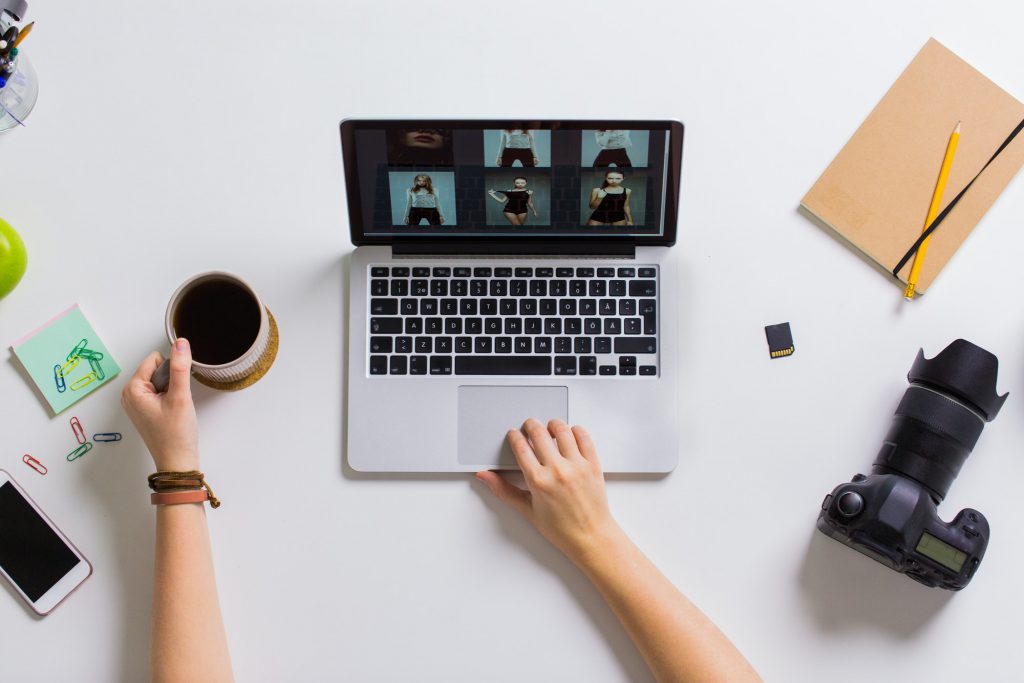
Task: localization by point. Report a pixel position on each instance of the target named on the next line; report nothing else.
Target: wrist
(609, 540)
(177, 462)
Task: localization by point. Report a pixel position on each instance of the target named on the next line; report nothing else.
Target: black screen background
(30, 552)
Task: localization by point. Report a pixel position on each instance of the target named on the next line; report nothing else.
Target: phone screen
(31, 553)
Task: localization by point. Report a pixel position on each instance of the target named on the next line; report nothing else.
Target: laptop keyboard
(506, 320)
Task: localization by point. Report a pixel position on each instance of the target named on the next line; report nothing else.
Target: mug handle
(161, 379)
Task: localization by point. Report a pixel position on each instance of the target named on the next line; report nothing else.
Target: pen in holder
(19, 86)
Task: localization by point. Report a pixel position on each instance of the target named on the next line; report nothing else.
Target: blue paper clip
(78, 347)
(72, 363)
(95, 365)
(58, 377)
(83, 381)
(80, 451)
(107, 437)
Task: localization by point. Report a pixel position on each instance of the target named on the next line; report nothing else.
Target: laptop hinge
(618, 248)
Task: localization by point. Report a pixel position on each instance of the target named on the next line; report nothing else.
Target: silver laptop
(507, 270)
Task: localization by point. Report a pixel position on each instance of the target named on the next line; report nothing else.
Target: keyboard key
(567, 307)
(648, 272)
(545, 272)
(403, 344)
(449, 306)
(507, 306)
(636, 345)
(563, 345)
(524, 272)
(542, 344)
(440, 365)
(573, 326)
(564, 272)
(584, 272)
(399, 288)
(442, 272)
(414, 325)
(418, 365)
(474, 326)
(565, 365)
(478, 287)
(386, 325)
(627, 272)
(379, 287)
(588, 364)
(513, 326)
(378, 365)
(532, 325)
(607, 369)
(648, 306)
(648, 370)
(499, 288)
(383, 306)
(642, 287)
(606, 307)
(612, 326)
(503, 345)
(409, 307)
(517, 288)
(577, 287)
(597, 288)
(602, 345)
(467, 306)
(606, 272)
(434, 326)
(538, 288)
(492, 325)
(627, 361)
(481, 272)
(438, 288)
(631, 325)
(522, 345)
(419, 287)
(421, 272)
(617, 288)
(379, 271)
(502, 272)
(399, 365)
(527, 307)
(581, 345)
(428, 306)
(592, 326)
(463, 345)
(453, 325)
(380, 344)
(424, 344)
(552, 326)
(460, 287)
(548, 307)
(482, 345)
(488, 307)
(627, 306)
(508, 365)
(462, 272)
(442, 345)
(627, 370)
(588, 307)
(398, 271)
(558, 288)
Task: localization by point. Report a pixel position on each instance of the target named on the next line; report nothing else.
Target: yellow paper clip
(80, 451)
(78, 347)
(83, 381)
(72, 363)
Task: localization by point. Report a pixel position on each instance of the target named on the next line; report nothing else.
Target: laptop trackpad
(487, 413)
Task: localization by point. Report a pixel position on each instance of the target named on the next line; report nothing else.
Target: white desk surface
(166, 143)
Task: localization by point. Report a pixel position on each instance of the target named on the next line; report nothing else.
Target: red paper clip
(34, 464)
(76, 427)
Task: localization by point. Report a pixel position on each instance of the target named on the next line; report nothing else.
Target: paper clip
(76, 427)
(90, 355)
(83, 381)
(80, 451)
(78, 348)
(58, 377)
(72, 363)
(94, 363)
(107, 437)
(34, 464)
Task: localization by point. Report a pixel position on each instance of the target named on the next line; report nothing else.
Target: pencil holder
(18, 97)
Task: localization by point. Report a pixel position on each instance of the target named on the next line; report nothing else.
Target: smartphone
(39, 561)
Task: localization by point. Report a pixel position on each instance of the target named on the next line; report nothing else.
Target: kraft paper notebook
(875, 193)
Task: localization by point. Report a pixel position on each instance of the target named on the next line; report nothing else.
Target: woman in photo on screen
(423, 201)
(564, 500)
(517, 145)
(613, 144)
(420, 147)
(517, 201)
(611, 202)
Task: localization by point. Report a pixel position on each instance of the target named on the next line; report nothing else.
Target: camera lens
(941, 416)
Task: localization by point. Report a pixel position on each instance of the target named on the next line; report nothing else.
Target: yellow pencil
(24, 33)
(933, 211)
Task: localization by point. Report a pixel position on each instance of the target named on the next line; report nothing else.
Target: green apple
(13, 258)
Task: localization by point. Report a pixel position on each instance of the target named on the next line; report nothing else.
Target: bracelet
(181, 482)
(195, 496)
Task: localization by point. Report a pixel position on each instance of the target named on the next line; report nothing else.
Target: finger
(540, 440)
(521, 449)
(147, 367)
(181, 366)
(586, 445)
(565, 439)
(506, 492)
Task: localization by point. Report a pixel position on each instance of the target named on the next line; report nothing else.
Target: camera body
(892, 514)
(896, 522)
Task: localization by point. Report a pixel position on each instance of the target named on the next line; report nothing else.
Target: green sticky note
(66, 359)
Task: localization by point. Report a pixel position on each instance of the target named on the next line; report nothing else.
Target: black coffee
(220, 319)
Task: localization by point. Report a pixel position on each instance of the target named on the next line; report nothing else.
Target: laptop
(506, 270)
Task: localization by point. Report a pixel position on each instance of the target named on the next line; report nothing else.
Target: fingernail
(181, 344)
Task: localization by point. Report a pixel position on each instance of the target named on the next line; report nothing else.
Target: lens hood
(965, 371)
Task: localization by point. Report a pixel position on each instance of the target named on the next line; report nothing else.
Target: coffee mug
(227, 327)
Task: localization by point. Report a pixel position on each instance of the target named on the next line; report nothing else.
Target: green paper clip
(84, 381)
(94, 363)
(80, 451)
(90, 355)
(58, 377)
(78, 348)
(72, 363)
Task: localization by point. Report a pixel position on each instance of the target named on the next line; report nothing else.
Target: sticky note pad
(66, 359)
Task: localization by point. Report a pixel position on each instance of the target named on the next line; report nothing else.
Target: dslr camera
(891, 515)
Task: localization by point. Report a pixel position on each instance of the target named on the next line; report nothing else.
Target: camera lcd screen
(502, 178)
(941, 552)
(31, 554)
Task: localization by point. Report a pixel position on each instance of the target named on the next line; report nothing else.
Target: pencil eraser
(780, 340)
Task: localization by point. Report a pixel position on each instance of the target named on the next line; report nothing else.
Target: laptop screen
(512, 178)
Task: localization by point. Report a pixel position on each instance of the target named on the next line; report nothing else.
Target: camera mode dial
(850, 504)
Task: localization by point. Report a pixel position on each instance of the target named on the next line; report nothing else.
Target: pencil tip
(957, 129)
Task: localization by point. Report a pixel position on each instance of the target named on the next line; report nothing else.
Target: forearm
(188, 639)
(678, 642)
